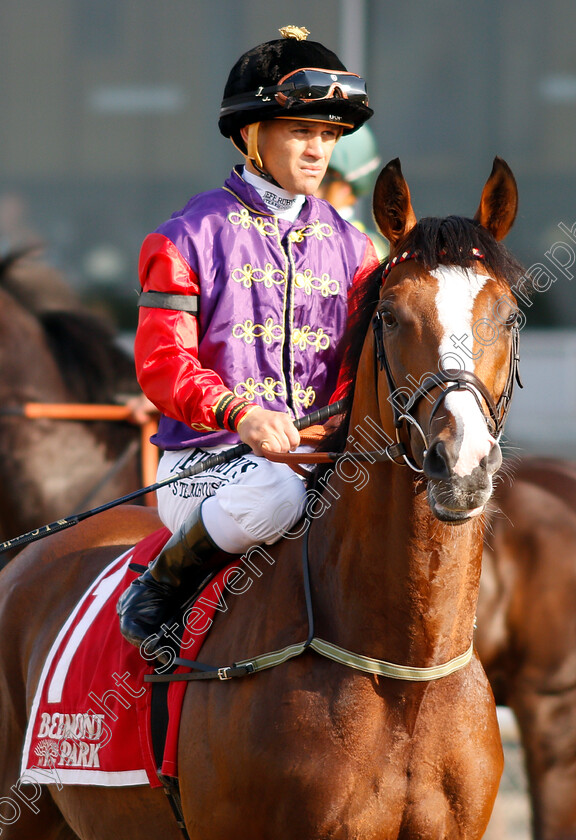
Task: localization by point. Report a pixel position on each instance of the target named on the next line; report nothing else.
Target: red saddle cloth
(90, 719)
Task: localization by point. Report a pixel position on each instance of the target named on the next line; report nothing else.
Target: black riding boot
(152, 598)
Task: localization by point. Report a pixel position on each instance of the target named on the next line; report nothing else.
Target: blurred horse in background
(526, 635)
(52, 350)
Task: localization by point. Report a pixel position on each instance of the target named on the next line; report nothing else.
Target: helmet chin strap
(252, 147)
(253, 155)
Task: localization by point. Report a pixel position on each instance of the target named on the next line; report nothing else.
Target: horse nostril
(438, 463)
(493, 461)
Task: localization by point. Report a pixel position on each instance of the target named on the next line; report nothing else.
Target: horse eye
(388, 318)
(512, 319)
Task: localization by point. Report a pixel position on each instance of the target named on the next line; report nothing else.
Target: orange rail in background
(88, 411)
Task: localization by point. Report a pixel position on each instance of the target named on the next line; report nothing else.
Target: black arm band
(163, 300)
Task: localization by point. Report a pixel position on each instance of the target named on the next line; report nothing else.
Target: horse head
(446, 338)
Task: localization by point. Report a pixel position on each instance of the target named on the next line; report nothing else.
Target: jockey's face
(296, 153)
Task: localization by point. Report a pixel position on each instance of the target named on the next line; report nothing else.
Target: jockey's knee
(238, 517)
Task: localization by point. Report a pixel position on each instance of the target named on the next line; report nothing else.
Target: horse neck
(389, 579)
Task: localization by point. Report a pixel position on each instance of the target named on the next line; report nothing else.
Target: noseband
(448, 380)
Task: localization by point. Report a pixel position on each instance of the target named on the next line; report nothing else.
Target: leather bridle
(448, 380)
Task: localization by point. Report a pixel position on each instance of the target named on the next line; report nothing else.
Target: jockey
(242, 314)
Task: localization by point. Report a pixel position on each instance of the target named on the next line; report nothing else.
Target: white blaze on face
(457, 292)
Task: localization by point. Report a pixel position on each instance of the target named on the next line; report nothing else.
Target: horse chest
(367, 764)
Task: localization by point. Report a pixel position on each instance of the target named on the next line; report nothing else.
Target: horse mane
(92, 364)
(434, 242)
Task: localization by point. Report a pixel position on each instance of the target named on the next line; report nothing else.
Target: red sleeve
(369, 264)
(166, 347)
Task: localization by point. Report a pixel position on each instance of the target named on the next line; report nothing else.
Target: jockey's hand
(264, 430)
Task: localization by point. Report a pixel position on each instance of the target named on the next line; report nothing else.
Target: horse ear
(391, 204)
(499, 202)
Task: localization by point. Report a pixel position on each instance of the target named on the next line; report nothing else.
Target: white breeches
(246, 502)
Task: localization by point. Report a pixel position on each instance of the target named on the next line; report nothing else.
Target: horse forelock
(453, 240)
(434, 242)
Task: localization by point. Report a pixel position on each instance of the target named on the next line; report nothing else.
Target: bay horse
(54, 351)
(405, 744)
(526, 634)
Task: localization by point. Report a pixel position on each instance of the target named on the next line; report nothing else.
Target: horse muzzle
(453, 497)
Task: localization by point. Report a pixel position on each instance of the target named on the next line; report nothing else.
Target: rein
(391, 453)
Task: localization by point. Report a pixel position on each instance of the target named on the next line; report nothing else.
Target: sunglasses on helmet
(311, 85)
(306, 85)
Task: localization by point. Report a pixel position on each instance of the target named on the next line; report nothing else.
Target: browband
(475, 254)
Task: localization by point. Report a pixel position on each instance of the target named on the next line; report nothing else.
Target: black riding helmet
(291, 78)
